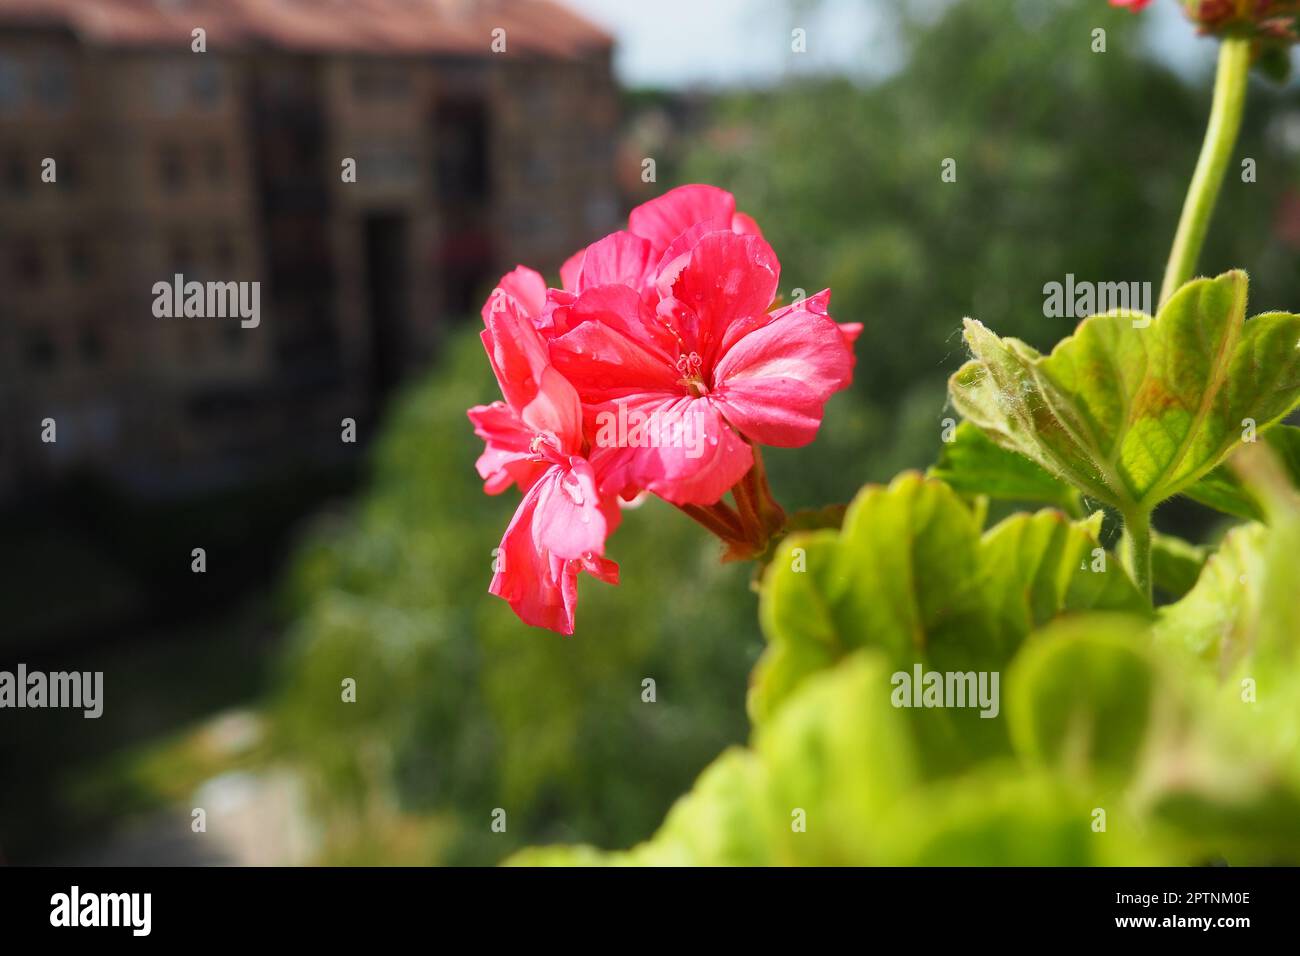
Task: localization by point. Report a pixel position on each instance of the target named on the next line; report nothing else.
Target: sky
(684, 43)
(688, 43)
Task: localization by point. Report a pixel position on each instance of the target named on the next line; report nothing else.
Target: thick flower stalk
(661, 367)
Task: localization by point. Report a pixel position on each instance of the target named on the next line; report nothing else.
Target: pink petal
(532, 581)
(818, 304)
(663, 219)
(555, 314)
(773, 383)
(527, 287)
(730, 279)
(603, 569)
(614, 348)
(745, 225)
(568, 521)
(619, 259)
(678, 254)
(698, 458)
(571, 270)
(545, 401)
(507, 459)
(540, 584)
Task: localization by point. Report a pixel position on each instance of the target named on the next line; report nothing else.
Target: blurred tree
(460, 708)
(1066, 161)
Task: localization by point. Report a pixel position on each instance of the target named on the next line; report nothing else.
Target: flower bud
(1269, 21)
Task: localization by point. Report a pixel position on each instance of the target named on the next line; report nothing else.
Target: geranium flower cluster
(1271, 24)
(659, 367)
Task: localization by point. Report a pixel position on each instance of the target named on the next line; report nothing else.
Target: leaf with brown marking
(1133, 410)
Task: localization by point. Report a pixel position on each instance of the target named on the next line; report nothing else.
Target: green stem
(1216, 151)
(1137, 549)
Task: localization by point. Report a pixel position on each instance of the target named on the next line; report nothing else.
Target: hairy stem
(747, 506)
(770, 511)
(1137, 549)
(718, 519)
(1216, 151)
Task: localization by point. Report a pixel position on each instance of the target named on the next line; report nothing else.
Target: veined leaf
(1132, 410)
(1222, 489)
(1081, 697)
(973, 464)
(1246, 603)
(911, 575)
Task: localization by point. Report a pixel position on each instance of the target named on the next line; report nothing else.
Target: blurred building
(483, 134)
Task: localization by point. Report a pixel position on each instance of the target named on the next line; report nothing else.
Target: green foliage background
(1067, 162)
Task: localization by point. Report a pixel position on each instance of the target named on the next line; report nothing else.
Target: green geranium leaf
(1215, 620)
(1223, 490)
(1132, 410)
(1080, 698)
(1176, 564)
(911, 575)
(1005, 816)
(577, 855)
(973, 464)
(1039, 565)
(1244, 604)
(838, 758)
(1242, 622)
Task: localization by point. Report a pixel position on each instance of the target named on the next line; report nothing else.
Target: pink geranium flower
(535, 439)
(667, 326)
(707, 356)
(1133, 5)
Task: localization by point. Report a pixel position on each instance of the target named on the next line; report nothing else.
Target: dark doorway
(461, 136)
(463, 171)
(386, 290)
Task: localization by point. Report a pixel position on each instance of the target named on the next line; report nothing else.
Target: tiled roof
(543, 27)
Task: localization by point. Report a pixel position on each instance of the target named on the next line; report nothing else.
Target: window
(205, 85)
(81, 261)
(182, 254)
(389, 165)
(168, 88)
(69, 171)
(216, 164)
(15, 174)
(234, 339)
(92, 347)
(171, 168)
(11, 85)
(380, 83)
(54, 83)
(41, 353)
(28, 264)
(224, 252)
